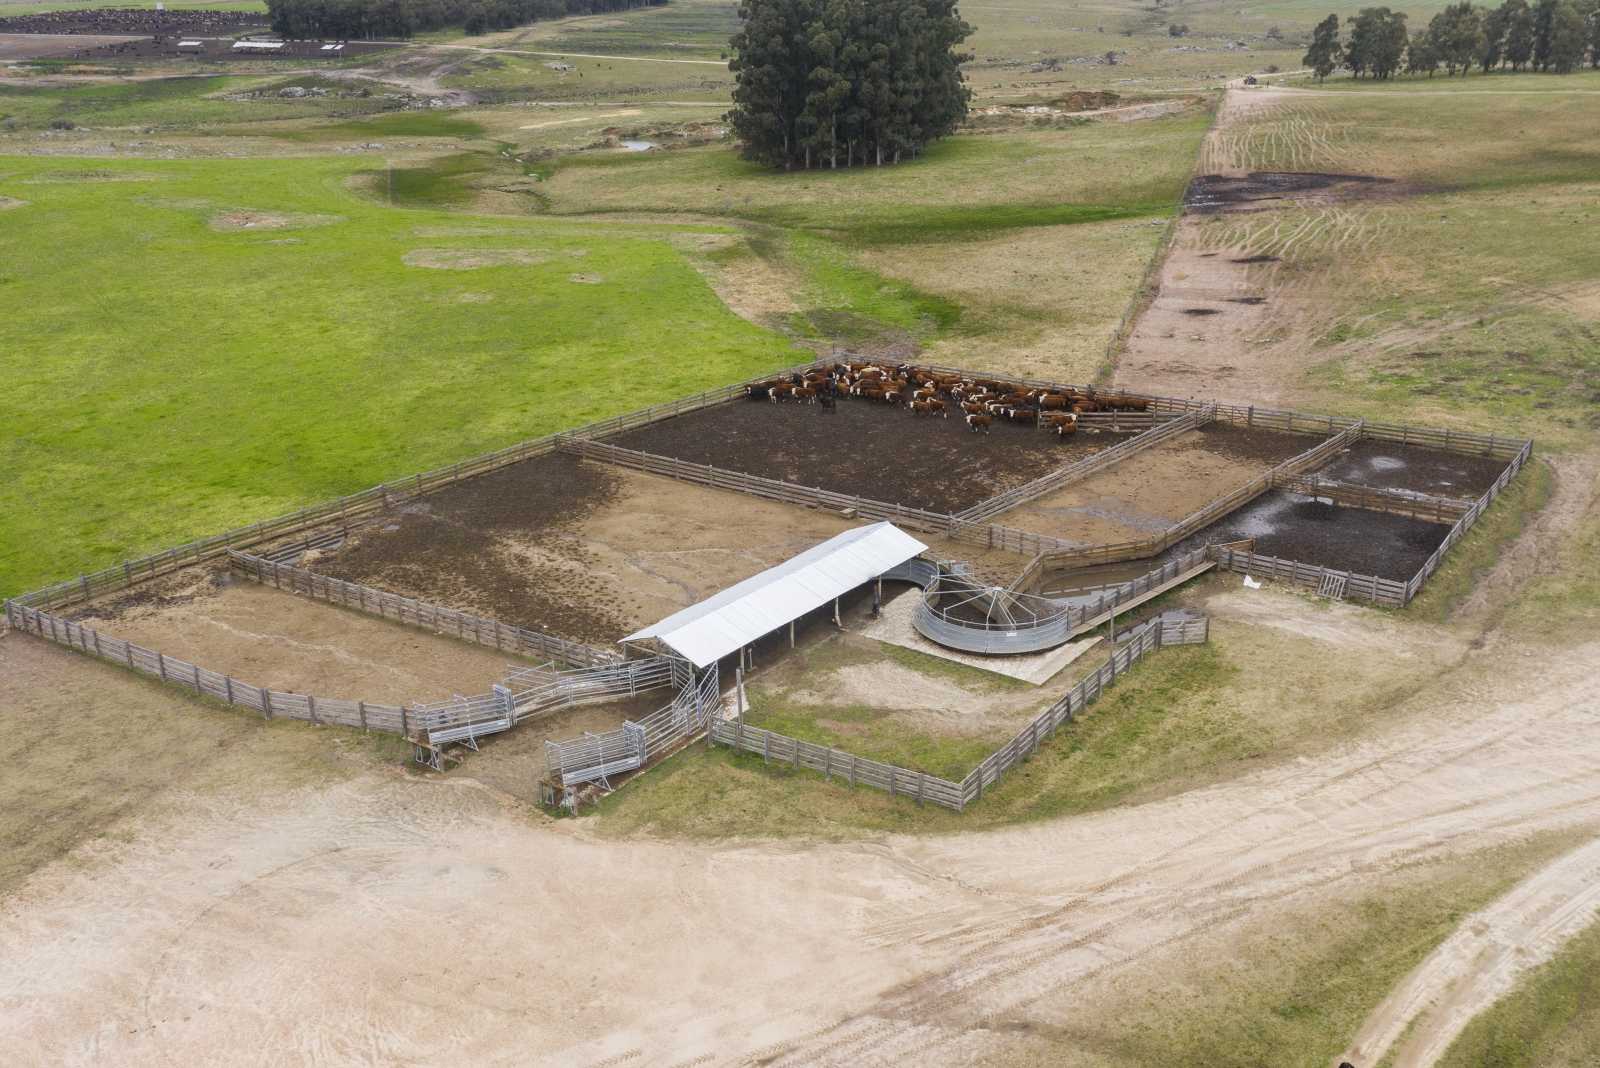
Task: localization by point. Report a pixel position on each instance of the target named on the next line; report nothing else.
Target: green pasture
(165, 378)
(185, 104)
(962, 186)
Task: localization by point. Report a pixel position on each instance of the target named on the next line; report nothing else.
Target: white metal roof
(737, 616)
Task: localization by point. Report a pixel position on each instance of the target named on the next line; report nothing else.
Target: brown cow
(929, 407)
(1052, 420)
(805, 395)
(979, 422)
(972, 407)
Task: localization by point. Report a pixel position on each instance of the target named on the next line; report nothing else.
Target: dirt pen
(552, 549)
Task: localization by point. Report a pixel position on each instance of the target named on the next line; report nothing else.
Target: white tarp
(719, 625)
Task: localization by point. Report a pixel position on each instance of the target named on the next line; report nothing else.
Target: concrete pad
(893, 625)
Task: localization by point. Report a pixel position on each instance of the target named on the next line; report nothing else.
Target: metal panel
(744, 612)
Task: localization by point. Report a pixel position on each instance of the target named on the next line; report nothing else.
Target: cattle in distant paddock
(976, 423)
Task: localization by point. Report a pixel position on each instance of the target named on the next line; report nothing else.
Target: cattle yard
(517, 574)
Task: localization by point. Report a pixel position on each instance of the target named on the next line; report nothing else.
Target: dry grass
(88, 748)
(1042, 303)
(1315, 969)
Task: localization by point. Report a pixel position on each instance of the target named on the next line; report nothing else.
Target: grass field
(203, 377)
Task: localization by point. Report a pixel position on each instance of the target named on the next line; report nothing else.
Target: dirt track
(1481, 961)
(904, 949)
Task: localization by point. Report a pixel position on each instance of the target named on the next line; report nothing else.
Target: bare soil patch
(227, 221)
(1390, 465)
(8, 203)
(1212, 193)
(865, 449)
(577, 549)
(461, 259)
(1151, 490)
(268, 637)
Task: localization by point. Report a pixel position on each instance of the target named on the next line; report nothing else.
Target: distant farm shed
(744, 612)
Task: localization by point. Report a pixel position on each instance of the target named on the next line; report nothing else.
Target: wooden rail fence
(1065, 476)
(480, 630)
(394, 719)
(907, 782)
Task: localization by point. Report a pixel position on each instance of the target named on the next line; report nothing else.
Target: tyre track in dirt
(1481, 961)
(1376, 808)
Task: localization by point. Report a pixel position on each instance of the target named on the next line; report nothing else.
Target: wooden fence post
(404, 729)
(266, 703)
(161, 666)
(227, 687)
(311, 703)
(361, 710)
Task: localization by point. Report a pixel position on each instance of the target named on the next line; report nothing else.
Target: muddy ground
(1294, 527)
(1150, 491)
(577, 549)
(1387, 465)
(272, 638)
(866, 449)
(1213, 193)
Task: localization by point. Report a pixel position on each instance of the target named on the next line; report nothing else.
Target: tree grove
(841, 82)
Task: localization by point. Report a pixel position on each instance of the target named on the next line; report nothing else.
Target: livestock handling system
(955, 610)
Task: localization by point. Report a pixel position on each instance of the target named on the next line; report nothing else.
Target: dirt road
(401, 920)
(1481, 961)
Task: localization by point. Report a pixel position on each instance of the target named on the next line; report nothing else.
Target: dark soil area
(1293, 527)
(1390, 465)
(1270, 447)
(866, 449)
(1212, 193)
(537, 500)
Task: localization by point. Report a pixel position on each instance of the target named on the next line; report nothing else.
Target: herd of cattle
(926, 392)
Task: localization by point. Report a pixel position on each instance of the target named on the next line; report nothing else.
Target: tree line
(1547, 35)
(829, 83)
(349, 20)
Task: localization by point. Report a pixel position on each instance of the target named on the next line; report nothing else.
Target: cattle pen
(1096, 522)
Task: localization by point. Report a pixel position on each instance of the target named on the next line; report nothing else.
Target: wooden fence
(757, 486)
(1162, 631)
(344, 509)
(480, 630)
(1065, 476)
(1431, 509)
(906, 782)
(1468, 518)
(395, 719)
(1382, 591)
